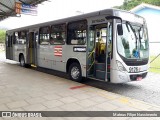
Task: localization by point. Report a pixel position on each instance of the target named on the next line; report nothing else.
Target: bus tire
(75, 73)
(22, 61)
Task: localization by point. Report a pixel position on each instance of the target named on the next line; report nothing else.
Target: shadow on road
(116, 88)
(94, 83)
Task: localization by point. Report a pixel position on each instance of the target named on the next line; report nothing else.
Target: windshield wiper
(128, 23)
(140, 36)
(133, 30)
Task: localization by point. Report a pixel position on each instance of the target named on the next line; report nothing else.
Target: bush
(2, 36)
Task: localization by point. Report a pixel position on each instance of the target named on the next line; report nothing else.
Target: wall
(152, 17)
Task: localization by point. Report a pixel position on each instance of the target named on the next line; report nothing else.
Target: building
(152, 15)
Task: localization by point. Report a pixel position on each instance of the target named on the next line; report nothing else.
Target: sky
(57, 9)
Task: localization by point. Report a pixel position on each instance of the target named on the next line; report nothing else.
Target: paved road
(147, 90)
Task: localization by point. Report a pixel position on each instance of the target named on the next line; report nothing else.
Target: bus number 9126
(134, 69)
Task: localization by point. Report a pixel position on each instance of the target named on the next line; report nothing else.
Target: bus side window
(14, 38)
(19, 37)
(11, 40)
(58, 34)
(44, 35)
(7, 40)
(36, 34)
(76, 32)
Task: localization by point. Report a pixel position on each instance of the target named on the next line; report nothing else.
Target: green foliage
(129, 4)
(2, 36)
(155, 66)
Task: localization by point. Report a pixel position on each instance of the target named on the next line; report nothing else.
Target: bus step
(32, 65)
(100, 74)
(93, 78)
(100, 66)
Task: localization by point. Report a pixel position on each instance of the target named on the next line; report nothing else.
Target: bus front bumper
(122, 77)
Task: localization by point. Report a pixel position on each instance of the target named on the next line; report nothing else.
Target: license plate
(139, 78)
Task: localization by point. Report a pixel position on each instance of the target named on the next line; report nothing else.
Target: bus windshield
(133, 44)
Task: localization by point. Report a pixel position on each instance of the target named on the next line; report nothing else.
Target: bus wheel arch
(74, 70)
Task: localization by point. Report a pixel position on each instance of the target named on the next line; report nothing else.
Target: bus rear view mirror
(120, 29)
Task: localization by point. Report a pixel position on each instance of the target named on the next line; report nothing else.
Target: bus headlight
(120, 66)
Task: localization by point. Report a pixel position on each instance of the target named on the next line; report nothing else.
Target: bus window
(58, 34)
(44, 35)
(20, 37)
(36, 34)
(77, 32)
(7, 40)
(16, 37)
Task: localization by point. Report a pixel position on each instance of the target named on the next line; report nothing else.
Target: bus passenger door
(91, 52)
(32, 52)
(97, 52)
(108, 50)
(9, 47)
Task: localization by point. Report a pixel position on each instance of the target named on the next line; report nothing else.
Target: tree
(129, 4)
(2, 36)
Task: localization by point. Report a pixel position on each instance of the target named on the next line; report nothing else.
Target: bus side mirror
(120, 29)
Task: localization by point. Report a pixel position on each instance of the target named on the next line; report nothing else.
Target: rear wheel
(22, 61)
(75, 72)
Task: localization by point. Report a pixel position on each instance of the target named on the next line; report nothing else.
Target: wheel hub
(75, 72)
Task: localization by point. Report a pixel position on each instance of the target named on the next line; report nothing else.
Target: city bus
(109, 45)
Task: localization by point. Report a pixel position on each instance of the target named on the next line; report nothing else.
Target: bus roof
(73, 18)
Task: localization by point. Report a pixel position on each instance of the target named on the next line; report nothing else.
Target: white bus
(109, 45)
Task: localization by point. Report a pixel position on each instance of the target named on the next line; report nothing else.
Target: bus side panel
(44, 56)
(58, 56)
(17, 50)
(68, 52)
(48, 57)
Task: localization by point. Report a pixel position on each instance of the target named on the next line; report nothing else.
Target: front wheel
(75, 72)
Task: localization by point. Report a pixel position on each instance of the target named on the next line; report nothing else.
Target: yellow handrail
(91, 53)
(93, 61)
(91, 65)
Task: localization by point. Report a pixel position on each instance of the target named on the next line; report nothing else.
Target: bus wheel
(22, 61)
(75, 72)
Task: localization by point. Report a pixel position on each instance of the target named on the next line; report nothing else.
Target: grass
(1, 50)
(155, 65)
